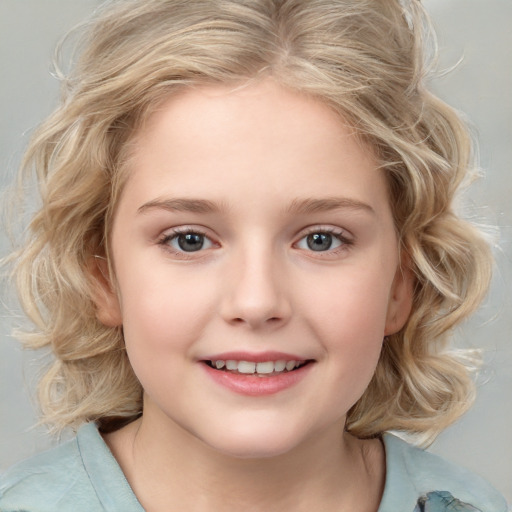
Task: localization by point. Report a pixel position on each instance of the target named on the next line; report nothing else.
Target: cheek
(164, 311)
(349, 318)
(352, 304)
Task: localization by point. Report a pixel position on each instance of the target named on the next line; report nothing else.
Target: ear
(104, 296)
(400, 299)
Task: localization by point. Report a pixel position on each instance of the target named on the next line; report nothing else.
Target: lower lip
(252, 385)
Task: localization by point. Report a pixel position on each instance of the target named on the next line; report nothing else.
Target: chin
(254, 443)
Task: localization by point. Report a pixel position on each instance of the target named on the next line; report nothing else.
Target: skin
(258, 156)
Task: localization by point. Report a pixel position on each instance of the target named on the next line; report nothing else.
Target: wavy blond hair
(365, 59)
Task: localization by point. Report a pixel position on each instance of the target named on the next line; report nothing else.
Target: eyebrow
(297, 206)
(310, 205)
(181, 205)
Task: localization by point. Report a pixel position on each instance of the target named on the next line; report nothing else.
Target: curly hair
(366, 59)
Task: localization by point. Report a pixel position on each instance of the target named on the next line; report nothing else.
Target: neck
(329, 471)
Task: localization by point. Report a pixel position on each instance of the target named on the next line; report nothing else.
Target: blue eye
(319, 241)
(189, 241)
(322, 241)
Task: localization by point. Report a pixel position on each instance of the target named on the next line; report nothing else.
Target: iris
(319, 241)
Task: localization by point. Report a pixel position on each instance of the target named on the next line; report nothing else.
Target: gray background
(481, 86)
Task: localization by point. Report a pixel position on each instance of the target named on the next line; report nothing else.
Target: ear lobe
(400, 300)
(108, 310)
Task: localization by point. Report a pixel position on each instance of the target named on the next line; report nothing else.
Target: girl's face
(254, 233)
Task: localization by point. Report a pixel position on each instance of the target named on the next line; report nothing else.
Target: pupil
(319, 241)
(190, 242)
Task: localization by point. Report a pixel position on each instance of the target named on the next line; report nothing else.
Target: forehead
(230, 112)
(214, 140)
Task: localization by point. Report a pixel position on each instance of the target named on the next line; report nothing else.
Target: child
(247, 264)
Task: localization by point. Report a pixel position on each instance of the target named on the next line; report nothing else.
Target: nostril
(271, 320)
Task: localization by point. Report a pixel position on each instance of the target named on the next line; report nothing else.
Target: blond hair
(366, 60)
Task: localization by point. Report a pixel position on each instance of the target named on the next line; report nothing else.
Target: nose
(256, 293)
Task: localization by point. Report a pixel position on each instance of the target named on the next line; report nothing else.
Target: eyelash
(165, 240)
(339, 234)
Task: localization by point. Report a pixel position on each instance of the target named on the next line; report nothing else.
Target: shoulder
(420, 478)
(79, 475)
(48, 479)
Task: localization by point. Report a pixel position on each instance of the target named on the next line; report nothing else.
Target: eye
(188, 241)
(319, 242)
(322, 241)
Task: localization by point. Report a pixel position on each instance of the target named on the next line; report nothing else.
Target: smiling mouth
(260, 369)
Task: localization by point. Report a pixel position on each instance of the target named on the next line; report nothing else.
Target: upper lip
(255, 357)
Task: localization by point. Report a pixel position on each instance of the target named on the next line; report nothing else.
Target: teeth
(290, 365)
(246, 367)
(267, 367)
(263, 368)
(279, 366)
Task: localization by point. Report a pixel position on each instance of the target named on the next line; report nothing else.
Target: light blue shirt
(82, 475)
